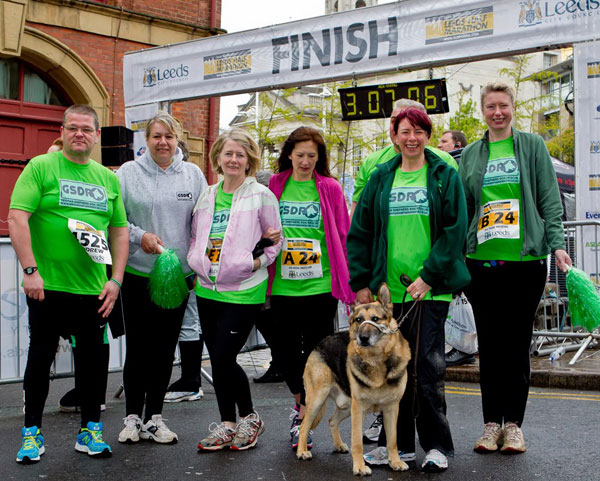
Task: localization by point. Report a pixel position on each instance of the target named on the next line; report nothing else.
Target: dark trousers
(305, 321)
(268, 328)
(424, 401)
(64, 314)
(504, 300)
(151, 335)
(225, 328)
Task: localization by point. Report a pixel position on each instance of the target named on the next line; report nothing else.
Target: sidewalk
(584, 375)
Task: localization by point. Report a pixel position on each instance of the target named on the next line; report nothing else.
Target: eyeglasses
(73, 130)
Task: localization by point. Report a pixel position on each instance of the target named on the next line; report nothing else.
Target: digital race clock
(377, 101)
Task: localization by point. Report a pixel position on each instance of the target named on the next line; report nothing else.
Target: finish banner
(402, 35)
(586, 67)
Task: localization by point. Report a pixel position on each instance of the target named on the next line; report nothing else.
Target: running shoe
(32, 447)
(247, 431)
(131, 432)
(156, 430)
(371, 434)
(434, 461)
(89, 440)
(490, 439)
(514, 442)
(295, 435)
(379, 456)
(221, 436)
(180, 396)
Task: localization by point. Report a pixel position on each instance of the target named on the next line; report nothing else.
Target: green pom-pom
(167, 285)
(584, 302)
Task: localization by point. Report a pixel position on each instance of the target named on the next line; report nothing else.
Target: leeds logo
(595, 147)
(150, 78)
(530, 14)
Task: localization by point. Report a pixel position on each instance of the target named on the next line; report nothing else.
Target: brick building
(54, 53)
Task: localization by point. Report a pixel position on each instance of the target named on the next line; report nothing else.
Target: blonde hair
(497, 87)
(245, 140)
(171, 123)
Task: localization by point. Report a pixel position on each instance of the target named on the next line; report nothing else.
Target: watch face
(30, 270)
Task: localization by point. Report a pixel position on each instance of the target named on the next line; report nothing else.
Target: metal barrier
(553, 328)
(14, 326)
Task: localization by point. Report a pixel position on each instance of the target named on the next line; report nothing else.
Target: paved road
(561, 430)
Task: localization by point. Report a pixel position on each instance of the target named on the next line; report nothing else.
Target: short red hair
(416, 118)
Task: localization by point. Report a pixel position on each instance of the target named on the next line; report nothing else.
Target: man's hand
(33, 285)
(109, 293)
(150, 243)
(364, 296)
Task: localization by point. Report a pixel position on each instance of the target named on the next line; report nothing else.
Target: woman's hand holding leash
(418, 289)
(364, 296)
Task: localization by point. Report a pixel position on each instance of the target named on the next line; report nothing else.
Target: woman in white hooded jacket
(159, 192)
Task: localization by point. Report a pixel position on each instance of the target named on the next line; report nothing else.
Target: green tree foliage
(466, 119)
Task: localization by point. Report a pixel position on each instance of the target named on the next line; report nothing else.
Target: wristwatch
(30, 270)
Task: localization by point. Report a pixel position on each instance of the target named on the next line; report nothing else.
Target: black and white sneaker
(156, 430)
(371, 434)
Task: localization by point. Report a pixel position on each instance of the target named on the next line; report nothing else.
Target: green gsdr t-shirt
(409, 235)
(254, 295)
(372, 160)
(54, 190)
(499, 228)
(302, 267)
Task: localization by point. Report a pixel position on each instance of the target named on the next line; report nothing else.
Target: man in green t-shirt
(372, 160)
(61, 209)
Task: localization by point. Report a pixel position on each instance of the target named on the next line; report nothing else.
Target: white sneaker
(156, 430)
(131, 432)
(179, 396)
(371, 434)
(379, 456)
(434, 461)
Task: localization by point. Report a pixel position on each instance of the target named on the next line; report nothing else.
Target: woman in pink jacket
(311, 273)
(229, 220)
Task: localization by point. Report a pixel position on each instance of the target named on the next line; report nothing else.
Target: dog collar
(382, 329)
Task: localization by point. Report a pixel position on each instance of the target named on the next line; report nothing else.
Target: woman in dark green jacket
(411, 220)
(514, 223)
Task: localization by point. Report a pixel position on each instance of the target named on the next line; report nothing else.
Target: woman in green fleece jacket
(411, 220)
(514, 223)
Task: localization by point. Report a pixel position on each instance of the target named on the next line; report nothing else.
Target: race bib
(301, 259)
(92, 240)
(498, 219)
(213, 251)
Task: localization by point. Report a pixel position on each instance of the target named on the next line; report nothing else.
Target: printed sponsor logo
(220, 221)
(184, 196)
(141, 151)
(227, 64)
(594, 146)
(82, 195)
(593, 246)
(501, 171)
(165, 76)
(593, 69)
(594, 182)
(409, 201)
(139, 125)
(534, 12)
(300, 214)
(459, 25)
(592, 215)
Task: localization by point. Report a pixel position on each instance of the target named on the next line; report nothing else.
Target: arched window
(360, 4)
(22, 83)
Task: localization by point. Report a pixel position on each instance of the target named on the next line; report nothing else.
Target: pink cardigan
(336, 222)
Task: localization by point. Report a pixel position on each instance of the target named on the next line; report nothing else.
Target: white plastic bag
(461, 333)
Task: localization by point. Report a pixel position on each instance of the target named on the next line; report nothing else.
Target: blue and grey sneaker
(33, 446)
(89, 440)
(295, 435)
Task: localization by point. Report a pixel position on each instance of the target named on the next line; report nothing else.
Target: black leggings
(424, 405)
(304, 322)
(64, 314)
(225, 328)
(504, 299)
(151, 335)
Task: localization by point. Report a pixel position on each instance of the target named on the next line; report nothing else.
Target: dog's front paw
(342, 448)
(398, 465)
(304, 455)
(363, 470)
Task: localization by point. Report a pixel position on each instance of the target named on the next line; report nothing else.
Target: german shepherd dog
(362, 370)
